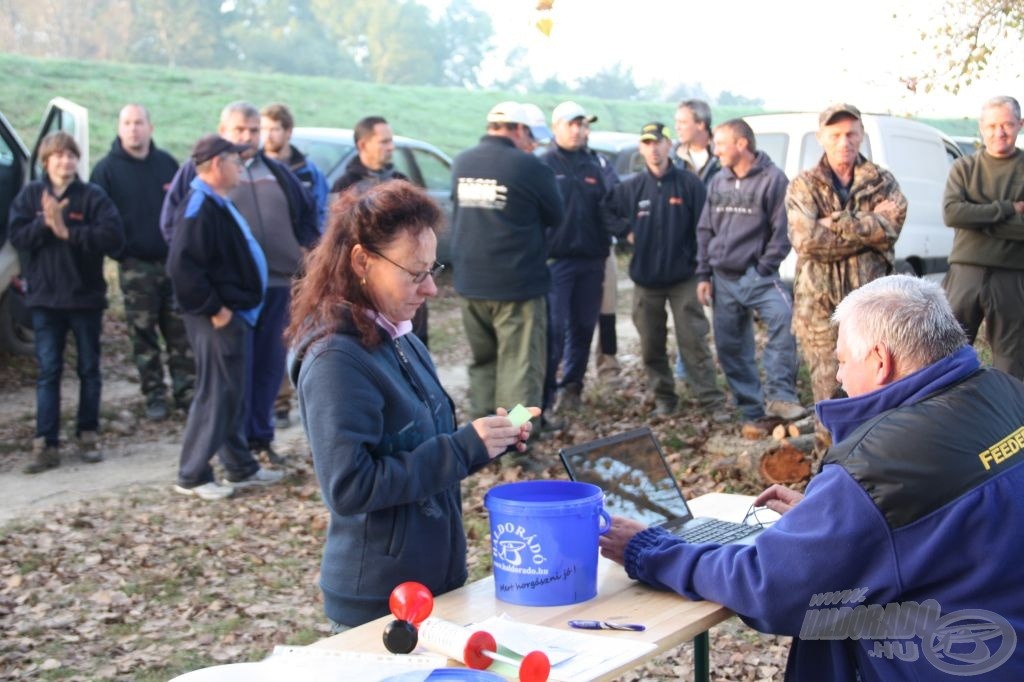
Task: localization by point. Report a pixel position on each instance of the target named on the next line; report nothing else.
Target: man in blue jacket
(900, 561)
(661, 206)
(741, 240)
(577, 249)
(219, 273)
(282, 217)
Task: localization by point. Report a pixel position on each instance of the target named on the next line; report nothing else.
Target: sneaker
(156, 410)
(262, 448)
(207, 491)
(260, 478)
(89, 447)
(43, 457)
(784, 410)
(282, 420)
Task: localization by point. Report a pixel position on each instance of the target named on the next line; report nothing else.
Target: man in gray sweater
(741, 240)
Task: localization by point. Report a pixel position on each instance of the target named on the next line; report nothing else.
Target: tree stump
(784, 464)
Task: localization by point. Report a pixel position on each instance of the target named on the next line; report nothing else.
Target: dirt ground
(110, 575)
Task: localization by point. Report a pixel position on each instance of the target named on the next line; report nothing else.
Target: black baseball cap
(213, 145)
(654, 131)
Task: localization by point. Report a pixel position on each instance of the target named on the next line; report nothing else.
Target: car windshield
(325, 154)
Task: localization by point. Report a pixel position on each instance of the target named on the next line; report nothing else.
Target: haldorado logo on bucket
(517, 551)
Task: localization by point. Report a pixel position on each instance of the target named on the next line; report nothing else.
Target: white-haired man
(984, 204)
(907, 521)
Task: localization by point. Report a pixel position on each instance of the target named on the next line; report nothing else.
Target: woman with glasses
(387, 451)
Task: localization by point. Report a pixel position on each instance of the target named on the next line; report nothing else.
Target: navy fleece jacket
(389, 460)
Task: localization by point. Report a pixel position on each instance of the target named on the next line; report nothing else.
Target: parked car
(331, 149)
(17, 167)
(917, 154)
(620, 150)
(968, 143)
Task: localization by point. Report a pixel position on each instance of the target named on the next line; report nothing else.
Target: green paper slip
(519, 415)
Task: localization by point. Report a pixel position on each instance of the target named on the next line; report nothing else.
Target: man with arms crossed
(984, 203)
(844, 217)
(909, 513)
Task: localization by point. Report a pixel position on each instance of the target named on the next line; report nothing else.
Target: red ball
(411, 602)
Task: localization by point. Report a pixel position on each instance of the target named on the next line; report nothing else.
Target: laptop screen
(631, 470)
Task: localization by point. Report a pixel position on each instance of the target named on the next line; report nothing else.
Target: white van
(917, 154)
(17, 167)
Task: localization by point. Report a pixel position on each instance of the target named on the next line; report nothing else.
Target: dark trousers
(995, 295)
(265, 365)
(51, 327)
(574, 304)
(216, 420)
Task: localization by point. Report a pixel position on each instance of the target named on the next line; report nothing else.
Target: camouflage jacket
(855, 246)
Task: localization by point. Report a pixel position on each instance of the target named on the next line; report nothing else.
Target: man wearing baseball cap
(219, 274)
(578, 247)
(844, 217)
(660, 207)
(504, 200)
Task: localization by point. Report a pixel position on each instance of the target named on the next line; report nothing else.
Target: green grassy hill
(185, 103)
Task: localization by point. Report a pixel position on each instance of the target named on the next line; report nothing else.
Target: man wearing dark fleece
(504, 200)
(661, 207)
(984, 203)
(135, 175)
(741, 240)
(899, 562)
(577, 249)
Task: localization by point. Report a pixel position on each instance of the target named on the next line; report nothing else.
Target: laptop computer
(637, 482)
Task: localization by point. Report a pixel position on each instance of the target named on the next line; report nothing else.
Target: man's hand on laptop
(613, 543)
(778, 498)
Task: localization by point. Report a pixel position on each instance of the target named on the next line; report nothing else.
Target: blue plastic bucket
(544, 541)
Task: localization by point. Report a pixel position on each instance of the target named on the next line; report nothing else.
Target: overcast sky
(795, 54)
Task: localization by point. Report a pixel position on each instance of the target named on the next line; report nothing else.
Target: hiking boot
(89, 447)
(568, 399)
(43, 457)
(664, 407)
(262, 477)
(282, 419)
(784, 410)
(264, 449)
(207, 491)
(156, 410)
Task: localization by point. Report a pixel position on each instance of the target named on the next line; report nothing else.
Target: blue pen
(605, 625)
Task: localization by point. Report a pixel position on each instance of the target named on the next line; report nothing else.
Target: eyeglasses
(762, 517)
(417, 277)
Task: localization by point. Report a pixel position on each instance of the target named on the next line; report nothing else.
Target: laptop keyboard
(715, 530)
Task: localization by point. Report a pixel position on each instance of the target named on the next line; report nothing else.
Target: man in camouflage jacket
(844, 217)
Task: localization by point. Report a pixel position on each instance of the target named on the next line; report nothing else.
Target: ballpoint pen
(605, 625)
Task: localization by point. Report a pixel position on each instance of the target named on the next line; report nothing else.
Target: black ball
(400, 637)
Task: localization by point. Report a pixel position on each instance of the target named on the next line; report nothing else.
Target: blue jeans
(574, 305)
(734, 302)
(51, 329)
(265, 359)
